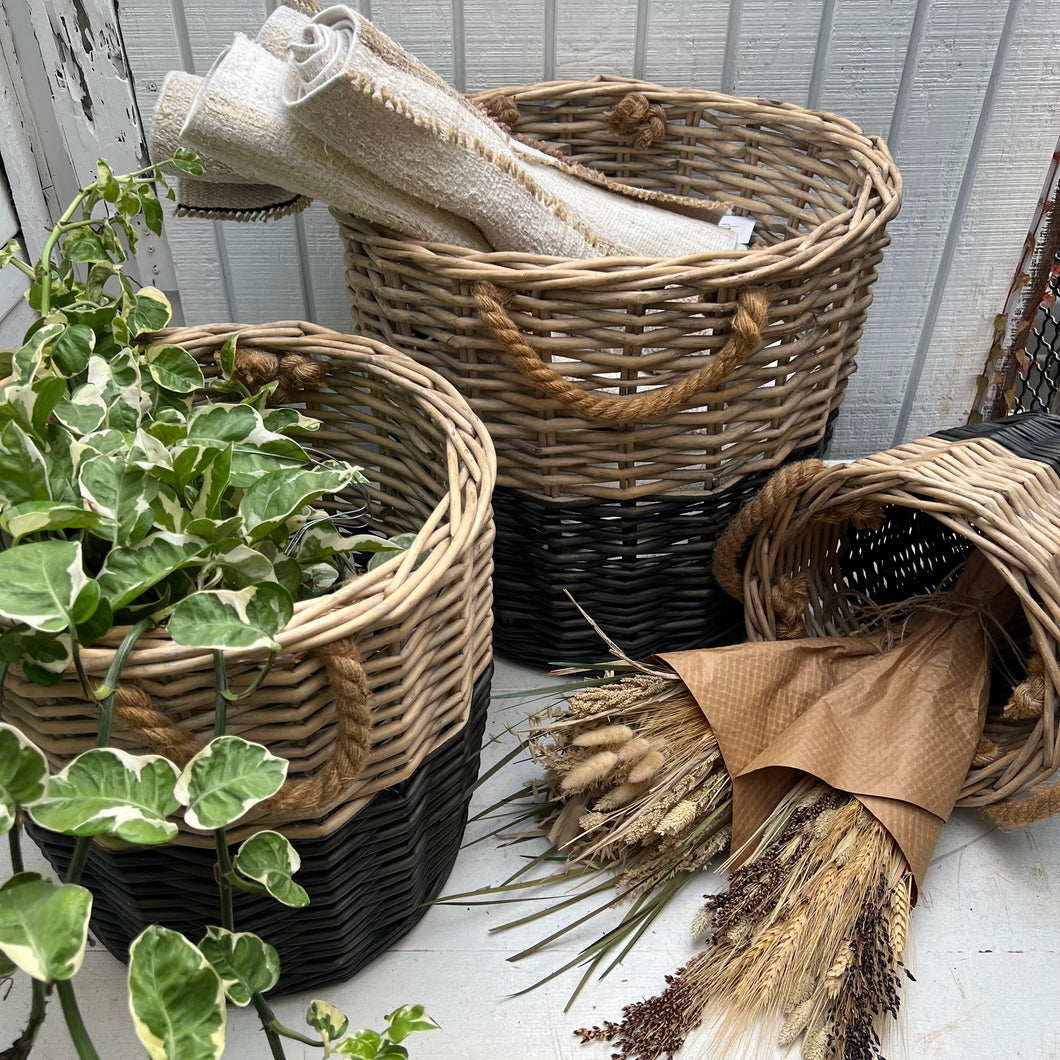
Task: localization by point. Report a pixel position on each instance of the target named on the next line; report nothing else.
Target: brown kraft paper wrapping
(895, 727)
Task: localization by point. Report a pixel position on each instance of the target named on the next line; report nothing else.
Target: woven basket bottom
(641, 569)
(368, 882)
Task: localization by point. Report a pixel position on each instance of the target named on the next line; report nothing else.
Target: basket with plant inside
(269, 615)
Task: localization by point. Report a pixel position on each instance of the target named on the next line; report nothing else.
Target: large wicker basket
(609, 386)
(414, 632)
(820, 550)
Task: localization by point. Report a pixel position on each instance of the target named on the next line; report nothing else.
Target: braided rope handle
(781, 485)
(748, 323)
(297, 798)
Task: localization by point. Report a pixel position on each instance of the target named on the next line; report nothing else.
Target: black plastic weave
(641, 569)
(368, 881)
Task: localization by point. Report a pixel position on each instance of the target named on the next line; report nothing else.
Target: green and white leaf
(225, 779)
(327, 1021)
(23, 774)
(269, 859)
(241, 565)
(188, 162)
(174, 368)
(46, 657)
(98, 443)
(31, 404)
(404, 1021)
(150, 311)
(29, 359)
(363, 1045)
(72, 349)
(397, 543)
(245, 963)
(322, 540)
(255, 449)
(106, 791)
(216, 476)
(33, 517)
(128, 572)
(284, 420)
(122, 495)
(176, 999)
(224, 618)
(119, 384)
(84, 411)
(40, 582)
(274, 498)
(23, 468)
(44, 926)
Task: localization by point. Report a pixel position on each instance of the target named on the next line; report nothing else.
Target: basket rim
(392, 589)
(878, 202)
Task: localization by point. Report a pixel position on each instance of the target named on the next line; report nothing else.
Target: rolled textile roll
(239, 118)
(357, 89)
(222, 193)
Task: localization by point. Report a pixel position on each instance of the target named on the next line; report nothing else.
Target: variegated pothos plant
(133, 494)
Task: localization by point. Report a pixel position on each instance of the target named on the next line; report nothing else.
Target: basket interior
(788, 168)
(421, 622)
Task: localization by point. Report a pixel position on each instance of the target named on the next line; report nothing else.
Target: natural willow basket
(820, 548)
(375, 676)
(610, 384)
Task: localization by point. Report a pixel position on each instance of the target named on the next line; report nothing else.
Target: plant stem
(110, 682)
(26, 270)
(271, 1023)
(23, 1045)
(224, 867)
(74, 1023)
(14, 842)
(78, 859)
(221, 698)
(224, 860)
(49, 246)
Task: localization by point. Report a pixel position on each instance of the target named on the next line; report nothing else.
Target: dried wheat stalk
(810, 933)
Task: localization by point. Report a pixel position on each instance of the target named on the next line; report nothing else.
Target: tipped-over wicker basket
(610, 386)
(374, 678)
(822, 549)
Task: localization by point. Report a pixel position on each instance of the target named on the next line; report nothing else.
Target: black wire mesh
(1038, 378)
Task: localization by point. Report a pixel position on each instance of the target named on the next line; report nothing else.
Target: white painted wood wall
(966, 93)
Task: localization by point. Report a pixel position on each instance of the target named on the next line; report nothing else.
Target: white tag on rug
(742, 226)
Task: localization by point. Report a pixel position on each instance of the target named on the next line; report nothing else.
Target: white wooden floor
(986, 956)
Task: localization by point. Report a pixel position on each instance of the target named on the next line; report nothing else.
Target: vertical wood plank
(866, 56)
(239, 288)
(503, 43)
(776, 46)
(82, 103)
(156, 42)
(931, 139)
(685, 44)
(423, 27)
(595, 37)
(988, 238)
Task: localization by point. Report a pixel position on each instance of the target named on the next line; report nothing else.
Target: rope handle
(297, 798)
(781, 485)
(748, 323)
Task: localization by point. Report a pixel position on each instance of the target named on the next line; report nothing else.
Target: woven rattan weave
(420, 623)
(575, 366)
(822, 548)
(368, 881)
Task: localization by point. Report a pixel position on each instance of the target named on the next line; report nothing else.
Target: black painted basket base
(368, 882)
(641, 569)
